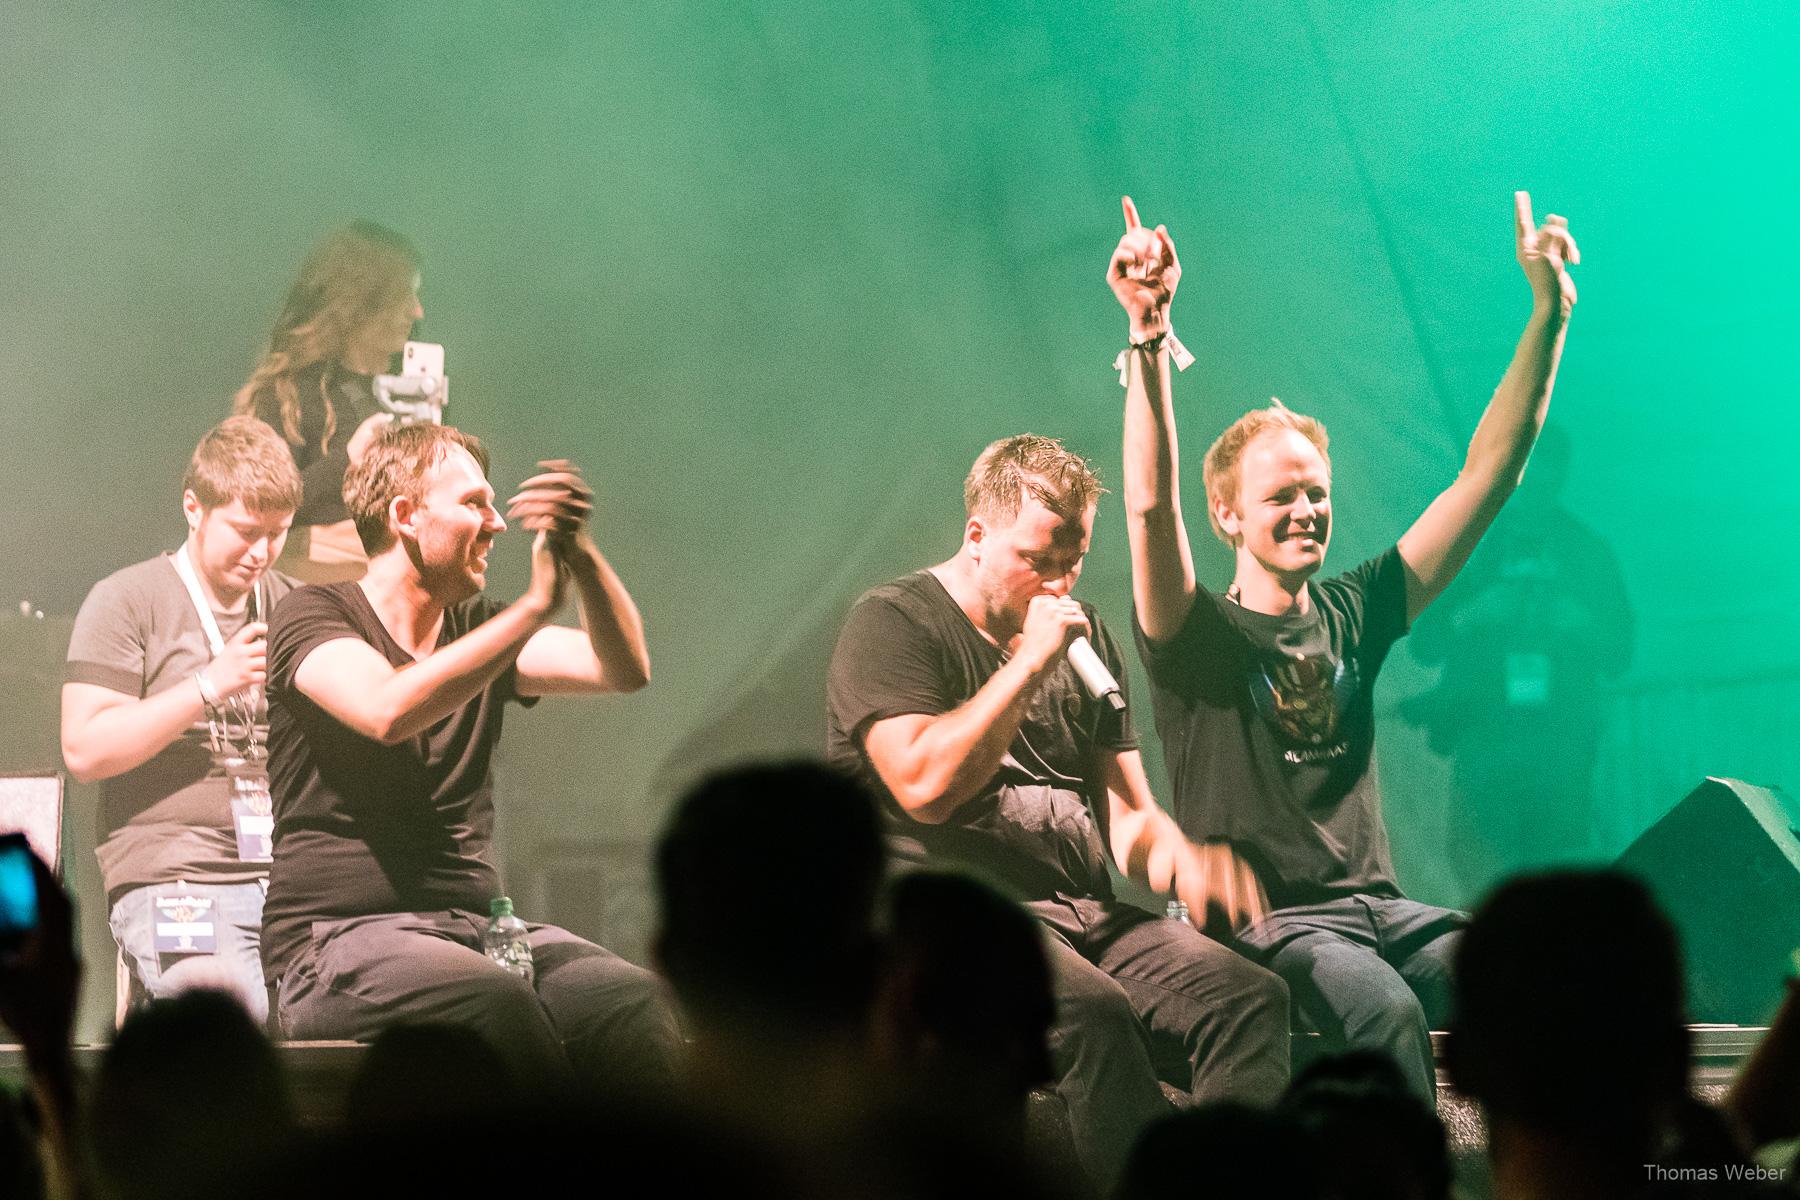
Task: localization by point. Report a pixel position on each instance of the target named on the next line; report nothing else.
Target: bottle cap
(500, 906)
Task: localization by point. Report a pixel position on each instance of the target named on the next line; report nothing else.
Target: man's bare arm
(352, 681)
(934, 764)
(349, 678)
(1219, 888)
(608, 653)
(1441, 540)
(1143, 274)
(107, 733)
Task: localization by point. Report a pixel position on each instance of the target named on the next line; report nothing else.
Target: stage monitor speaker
(1725, 865)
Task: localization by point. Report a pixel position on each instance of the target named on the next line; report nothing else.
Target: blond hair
(1220, 471)
(1028, 465)
(240, 458)
(396, 464)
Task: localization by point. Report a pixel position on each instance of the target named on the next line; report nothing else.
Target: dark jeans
(1138, 998)
(1367, 972)
(590, 1017)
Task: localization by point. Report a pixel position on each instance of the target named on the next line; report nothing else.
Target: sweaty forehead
(1284, 455)
(456, 471)
(1041, 526)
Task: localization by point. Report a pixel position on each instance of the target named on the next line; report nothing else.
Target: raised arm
(1219, 888)
(353, 682)
(608, 653)
(934, 764)
(1143, 274)
(107, 732)
(40, 984)
(1441, 540)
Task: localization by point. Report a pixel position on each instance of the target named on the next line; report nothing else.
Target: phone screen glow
(18, 891)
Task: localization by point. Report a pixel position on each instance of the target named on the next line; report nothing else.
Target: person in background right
(1529, 637)
(343, 322)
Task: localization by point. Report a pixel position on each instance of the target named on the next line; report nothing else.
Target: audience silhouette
(847, 1040)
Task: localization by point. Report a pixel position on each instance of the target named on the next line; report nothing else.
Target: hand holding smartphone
(20, 908)
(40, 976)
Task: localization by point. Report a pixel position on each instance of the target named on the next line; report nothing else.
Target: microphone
(1098, 681)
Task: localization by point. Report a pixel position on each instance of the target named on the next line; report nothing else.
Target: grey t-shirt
(169, 819)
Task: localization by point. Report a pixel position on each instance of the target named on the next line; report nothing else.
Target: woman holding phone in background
(346, 317)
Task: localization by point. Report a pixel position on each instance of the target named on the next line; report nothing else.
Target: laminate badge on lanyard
(183, 924)
(252, 812)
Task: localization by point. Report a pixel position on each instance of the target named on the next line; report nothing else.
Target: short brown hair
(1220, 471)
(395, 464)
(1028, 465)
(241, 458)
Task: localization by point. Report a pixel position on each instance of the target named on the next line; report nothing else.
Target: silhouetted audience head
(767, 877)
(1570, 1011)
(425, 1074)
(189, 1097)
(1369, 1136)
(966, 1002)
(538, 1147)
(1222, 1151)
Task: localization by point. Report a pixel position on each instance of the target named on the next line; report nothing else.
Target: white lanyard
(185, 568)
(240, 708)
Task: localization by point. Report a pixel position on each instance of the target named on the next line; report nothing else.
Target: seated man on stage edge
(1263, 696)
(164, 706)
(952, 695)
(385, 703)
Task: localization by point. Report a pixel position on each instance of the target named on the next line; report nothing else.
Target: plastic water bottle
(506, 941)
(1177, 910)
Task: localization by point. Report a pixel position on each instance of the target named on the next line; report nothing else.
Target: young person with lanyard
(163, 706)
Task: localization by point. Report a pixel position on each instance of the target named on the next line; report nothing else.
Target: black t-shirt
(1268, 728)
(363, 828)
(1037, 828)
(321, 468)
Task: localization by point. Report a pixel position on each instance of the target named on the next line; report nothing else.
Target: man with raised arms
(163, 705)
(1263, 695)
(952, 695)
(386, 697)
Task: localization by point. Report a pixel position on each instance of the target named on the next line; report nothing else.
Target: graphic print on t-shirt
(1303, 699)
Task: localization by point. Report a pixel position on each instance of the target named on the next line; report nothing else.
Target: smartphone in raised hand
(20, 909)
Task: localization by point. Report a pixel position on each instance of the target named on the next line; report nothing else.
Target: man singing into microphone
(385, 704)
(952, 696)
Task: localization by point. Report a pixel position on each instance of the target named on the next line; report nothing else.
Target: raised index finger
(1523, 225)
(1131, 217)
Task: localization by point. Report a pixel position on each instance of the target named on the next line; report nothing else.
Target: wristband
(1179, 353)
(209, 695)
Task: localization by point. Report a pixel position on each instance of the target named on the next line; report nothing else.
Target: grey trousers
(589, 1018)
